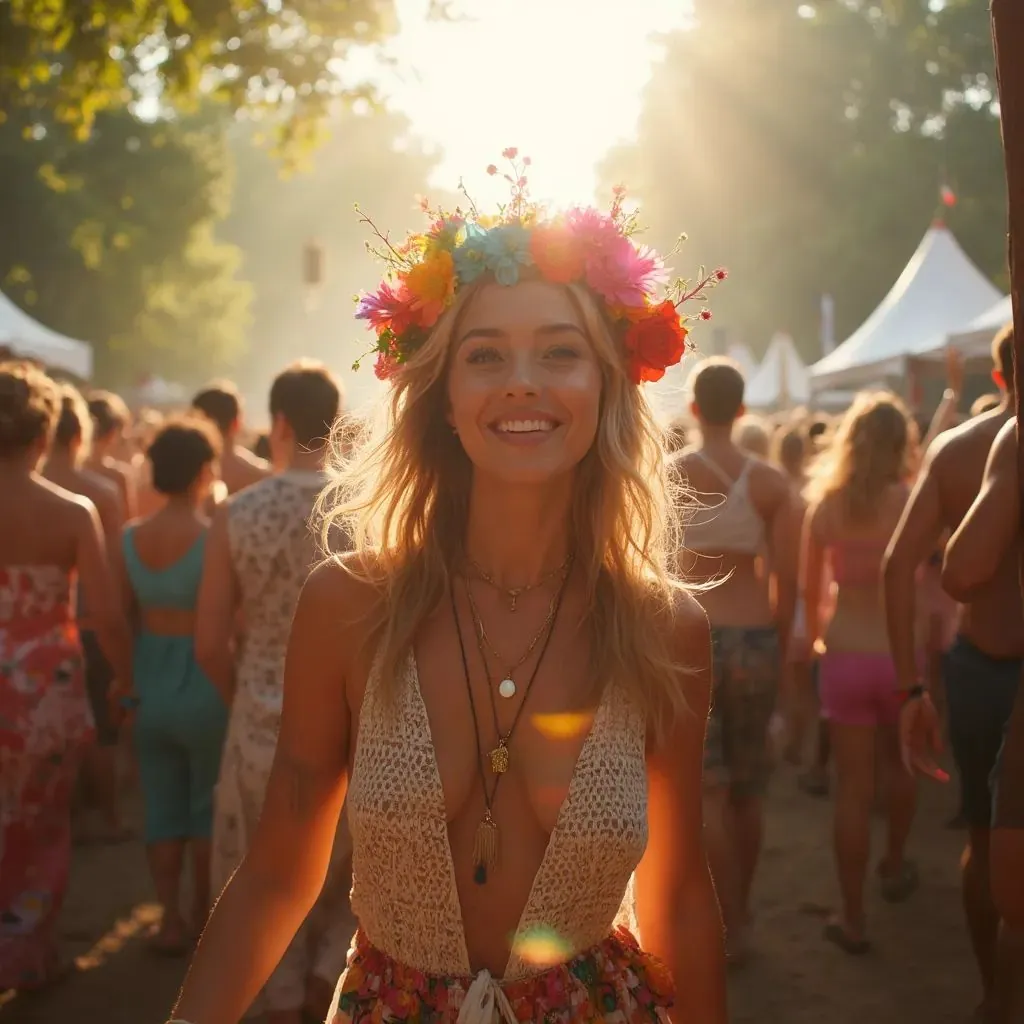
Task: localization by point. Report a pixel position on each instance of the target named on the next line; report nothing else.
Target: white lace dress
(273, 551)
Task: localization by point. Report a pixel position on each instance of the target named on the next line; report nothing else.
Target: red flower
(721, 274)
(655, 343)
(386, 366)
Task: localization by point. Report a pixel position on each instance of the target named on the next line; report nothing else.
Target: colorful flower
(471, 257)
(431, 283)
(507, 248)
(388, 308)
(655, 343)
(557, 253)
(386, 366)
(620, 273)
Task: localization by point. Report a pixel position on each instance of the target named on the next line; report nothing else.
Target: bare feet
(172, 938)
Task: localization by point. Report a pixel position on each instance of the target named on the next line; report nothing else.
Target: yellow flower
(432, 286)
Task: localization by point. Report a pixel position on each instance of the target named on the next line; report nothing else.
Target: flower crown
(581, 246)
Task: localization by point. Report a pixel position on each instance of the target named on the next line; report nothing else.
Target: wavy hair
(402, 499)
(870, 450)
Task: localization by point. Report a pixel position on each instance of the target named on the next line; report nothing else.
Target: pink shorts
(859, 689)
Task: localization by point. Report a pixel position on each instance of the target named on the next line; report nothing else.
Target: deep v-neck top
(404, 891)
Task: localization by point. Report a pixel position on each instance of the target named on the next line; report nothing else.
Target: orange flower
(557, 253)
(431, 284)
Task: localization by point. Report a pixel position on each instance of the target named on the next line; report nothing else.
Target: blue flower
(507, 248)
(471, 257)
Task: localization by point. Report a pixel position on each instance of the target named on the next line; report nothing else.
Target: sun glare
(560, 79)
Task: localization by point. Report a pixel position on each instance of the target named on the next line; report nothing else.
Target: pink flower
(705, 314)
(721, 274)
(492, 170)
(511, 153)
(620, 273)
(388, 308)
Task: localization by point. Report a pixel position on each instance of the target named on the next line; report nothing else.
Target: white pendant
(507, 688)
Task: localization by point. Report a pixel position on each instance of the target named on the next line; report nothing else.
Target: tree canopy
(112, 240)
(804, 146)
(74, 59)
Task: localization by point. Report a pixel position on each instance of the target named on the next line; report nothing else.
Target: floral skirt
(614, 982)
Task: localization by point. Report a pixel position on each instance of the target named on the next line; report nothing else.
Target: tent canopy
(974, 340)
(781, 379)
(741, 355)
(939, 291)
(25, 337)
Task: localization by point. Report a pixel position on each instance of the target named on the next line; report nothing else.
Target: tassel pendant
(485, 849)
(499, 758)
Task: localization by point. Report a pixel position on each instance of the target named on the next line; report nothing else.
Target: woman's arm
(987, 533)
(677, 910)
(102, 593)
(812, 575)
(283, 872)
(217, 607)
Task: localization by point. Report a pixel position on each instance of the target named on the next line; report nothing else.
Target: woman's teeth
(524, 426)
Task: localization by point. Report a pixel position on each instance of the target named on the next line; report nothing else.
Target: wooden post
(1008, 37)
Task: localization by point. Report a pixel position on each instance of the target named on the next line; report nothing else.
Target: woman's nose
(522, 378)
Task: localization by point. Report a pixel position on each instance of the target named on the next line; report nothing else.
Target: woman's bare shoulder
(351, 585)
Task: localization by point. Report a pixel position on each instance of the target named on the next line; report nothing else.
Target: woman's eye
(563, 352)
(483, 355)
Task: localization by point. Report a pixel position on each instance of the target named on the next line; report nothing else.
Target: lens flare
(563, 726)
(541, 947)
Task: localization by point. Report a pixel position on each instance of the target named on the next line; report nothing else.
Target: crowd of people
(164, 589)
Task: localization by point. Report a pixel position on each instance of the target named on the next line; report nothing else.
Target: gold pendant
(513, 597)
(499, 758)
(485, 848)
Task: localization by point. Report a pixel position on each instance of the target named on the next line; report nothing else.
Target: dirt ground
(920, 970)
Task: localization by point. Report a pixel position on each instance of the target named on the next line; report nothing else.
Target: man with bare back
(981, 667)
(239, 467)
(984, 543)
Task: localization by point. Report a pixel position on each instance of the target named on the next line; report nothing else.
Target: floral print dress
(45, 724)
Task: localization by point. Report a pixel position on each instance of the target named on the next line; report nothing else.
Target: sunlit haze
(560, 79)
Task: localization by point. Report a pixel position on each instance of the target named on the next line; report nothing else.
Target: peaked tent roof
(741, 355)
(939, 291)
(781, 379)
(28, 338)
(973, 340)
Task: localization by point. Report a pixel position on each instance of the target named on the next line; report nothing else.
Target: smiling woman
(513, 567)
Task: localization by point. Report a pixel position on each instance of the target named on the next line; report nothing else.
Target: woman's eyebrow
(482, 332)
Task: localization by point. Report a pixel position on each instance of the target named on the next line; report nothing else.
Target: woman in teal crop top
(181, 718)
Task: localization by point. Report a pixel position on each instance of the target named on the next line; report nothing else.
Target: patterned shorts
(746, 681)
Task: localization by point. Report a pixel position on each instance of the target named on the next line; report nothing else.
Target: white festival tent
(939, 291)
(741, 355)
(781, 380)
(973, 341)
(25, 337)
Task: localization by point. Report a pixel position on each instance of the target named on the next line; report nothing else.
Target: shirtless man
(983, 664)
(238, 466)
(742, 537)
(64, 468)
(110, 419)
(986, 540)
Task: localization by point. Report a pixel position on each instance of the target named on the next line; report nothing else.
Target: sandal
(898, 887)
(836, 934)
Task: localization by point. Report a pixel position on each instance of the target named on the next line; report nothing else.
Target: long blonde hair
(402, 497)
(870, 450)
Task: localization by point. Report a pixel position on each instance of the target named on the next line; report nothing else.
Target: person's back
(990, 614)
(855, 554)
(239, 468)
(179, 728)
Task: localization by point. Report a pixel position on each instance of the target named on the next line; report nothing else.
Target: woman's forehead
(527, 306)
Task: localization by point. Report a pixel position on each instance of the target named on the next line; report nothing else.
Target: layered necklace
(514, 593)
(485, 849)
